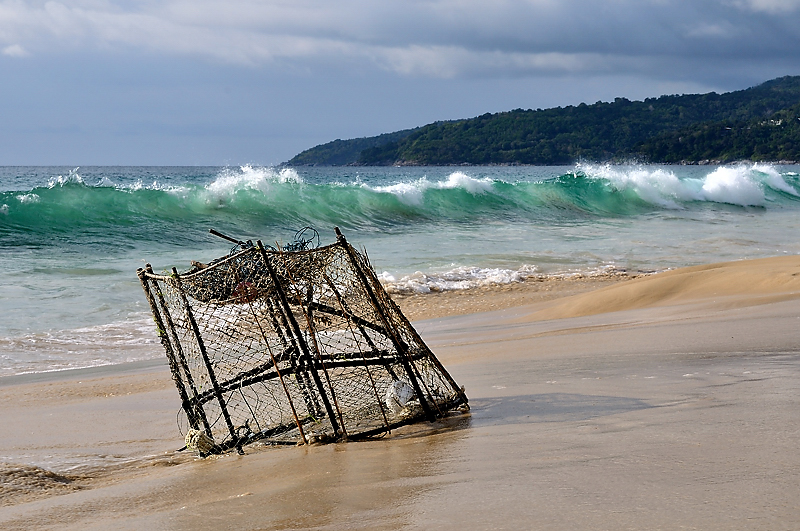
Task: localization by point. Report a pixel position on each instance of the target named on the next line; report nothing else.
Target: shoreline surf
(140, 347)
(605, 291)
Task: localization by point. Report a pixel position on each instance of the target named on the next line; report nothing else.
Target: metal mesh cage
(292, 347)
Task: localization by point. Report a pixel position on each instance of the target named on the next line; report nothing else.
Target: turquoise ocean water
(71, 239)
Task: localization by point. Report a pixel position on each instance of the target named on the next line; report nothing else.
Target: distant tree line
(760, 123)
(344, 152)
(776, 138)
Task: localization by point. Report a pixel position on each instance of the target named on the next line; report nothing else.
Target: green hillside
(344, 152)
(759, 123)
(776, 138)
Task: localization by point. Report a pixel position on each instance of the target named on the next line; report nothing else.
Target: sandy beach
(665, 401)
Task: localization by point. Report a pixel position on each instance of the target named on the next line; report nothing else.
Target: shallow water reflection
(549, 407)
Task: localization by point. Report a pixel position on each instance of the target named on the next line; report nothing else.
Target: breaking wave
(254, 201)
(742, 185)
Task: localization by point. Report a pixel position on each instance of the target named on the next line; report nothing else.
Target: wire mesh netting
(293, 346)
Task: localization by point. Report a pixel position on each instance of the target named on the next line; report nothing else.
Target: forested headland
(761, 123)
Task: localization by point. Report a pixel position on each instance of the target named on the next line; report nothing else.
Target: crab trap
(292, 346)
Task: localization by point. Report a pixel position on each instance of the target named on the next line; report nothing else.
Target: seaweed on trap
(292, 345)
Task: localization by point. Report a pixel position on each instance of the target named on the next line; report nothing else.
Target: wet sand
(663, 402)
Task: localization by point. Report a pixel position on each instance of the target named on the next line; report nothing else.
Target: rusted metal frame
(247, 378)
(298, 336)
(361, 324)
(165, 342)
(257, 374)
(204, 353)
(430, 355)
(378, 290)
(331, 363)
(171, 358)
(194, 403)
(427, 354)
(252, 416)
(309, 317)
(312, 333)
(349, 315)
(346, 312)
(451, 404)
(280, 430)
(300, 375)
(309, 361)
(371, 432)
(387, 429)
(405, 356)
(277, 370)
(375, 283)
(266, 434)
(402, 349)
(301, 366)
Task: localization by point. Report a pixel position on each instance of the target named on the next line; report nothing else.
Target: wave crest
(73, 177)
(413, 193)
(734, 185)
(739, 184)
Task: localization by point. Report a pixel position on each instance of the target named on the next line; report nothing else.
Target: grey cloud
(434, 38)
(14, 50)
(770, 6)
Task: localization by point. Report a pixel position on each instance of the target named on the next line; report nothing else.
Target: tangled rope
(304, 239)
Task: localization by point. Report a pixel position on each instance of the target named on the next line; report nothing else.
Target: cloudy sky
(231, 82)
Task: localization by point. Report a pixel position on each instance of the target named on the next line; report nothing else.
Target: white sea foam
(413, 192)
(470, 184)
(410, 193)
(455, 279)
(230, 181)
(740, 184)
(155, 185)
(657, 186)
(177, 190)
(466, 277)
(28, 198)
(458, 278)
(139, 185)
(92, 346)
(105, 182)
(73, 177)
(734, 185)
